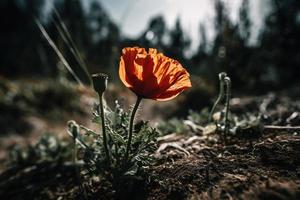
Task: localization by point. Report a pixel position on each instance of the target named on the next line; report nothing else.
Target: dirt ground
(266, 169)
(198, 166)
(188, 168)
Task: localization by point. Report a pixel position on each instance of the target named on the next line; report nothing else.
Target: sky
(133, 15)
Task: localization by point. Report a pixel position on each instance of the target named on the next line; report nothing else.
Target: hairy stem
(228, 96)
(221, 94)
(101, 112)
(130, 131)
(77, 170)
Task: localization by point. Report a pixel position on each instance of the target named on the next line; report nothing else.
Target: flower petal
(130, 74)
(152, 75)
(181, 83)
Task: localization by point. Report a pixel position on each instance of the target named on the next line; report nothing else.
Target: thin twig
(282, 128)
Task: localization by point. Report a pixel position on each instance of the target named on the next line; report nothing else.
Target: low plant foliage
(91, 144)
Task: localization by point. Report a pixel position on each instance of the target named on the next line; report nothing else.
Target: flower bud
(73, 129)
(100, 82)
(222, 76)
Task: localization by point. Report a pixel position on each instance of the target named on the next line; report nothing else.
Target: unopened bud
(227, 80)
(222, 76)
(100, 82)
(73, 129)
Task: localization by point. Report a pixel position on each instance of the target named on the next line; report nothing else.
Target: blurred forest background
(272, 63)
(38, 97)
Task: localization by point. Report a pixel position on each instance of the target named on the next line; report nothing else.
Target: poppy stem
(130, 131)
(75, 131)
(228, 96)
(222, 76)
(101, 113)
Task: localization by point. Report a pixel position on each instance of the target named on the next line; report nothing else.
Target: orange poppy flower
(152, 75)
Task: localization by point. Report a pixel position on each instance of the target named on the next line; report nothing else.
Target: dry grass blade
(59, 54)
(66, 36)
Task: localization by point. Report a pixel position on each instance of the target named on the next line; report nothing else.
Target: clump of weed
(173, 125)
(229, 126)
(105, 155)
(47, 149)
(34, 170)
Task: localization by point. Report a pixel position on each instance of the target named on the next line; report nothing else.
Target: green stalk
(228, 96)
(81, 188)
(221, 94)
(75, 132)
(130, 131)
(101, 112)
